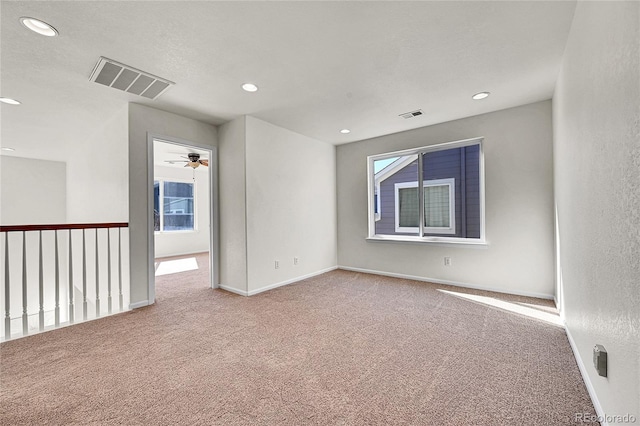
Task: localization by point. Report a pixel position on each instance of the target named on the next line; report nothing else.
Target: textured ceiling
(320, 66)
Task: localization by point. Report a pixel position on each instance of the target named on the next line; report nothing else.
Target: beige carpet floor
(342, 348)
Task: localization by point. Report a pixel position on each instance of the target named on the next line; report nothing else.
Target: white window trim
(372, 236)
(450, 182)
(378, 204)
(161, 206)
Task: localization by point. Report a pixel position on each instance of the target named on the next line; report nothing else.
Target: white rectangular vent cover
(411, 114)
(128, 79)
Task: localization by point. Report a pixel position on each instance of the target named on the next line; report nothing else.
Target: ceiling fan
(192, 159)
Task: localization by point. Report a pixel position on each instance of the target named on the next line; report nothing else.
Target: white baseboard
(586, 379)
(140, 304)
(232, 290)
(276, 285)
(291, 281)
(64, 325)
(448, 282)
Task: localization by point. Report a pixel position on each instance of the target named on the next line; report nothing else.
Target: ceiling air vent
(412, 114)
(128, 79)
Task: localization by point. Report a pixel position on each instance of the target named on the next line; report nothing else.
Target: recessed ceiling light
(38, 26)
(345, 131)
(250, 87)
(480, 95)
(9, 101)
(6, 148)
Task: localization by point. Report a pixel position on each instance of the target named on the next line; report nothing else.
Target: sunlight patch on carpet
(174, 266)
(522, 309)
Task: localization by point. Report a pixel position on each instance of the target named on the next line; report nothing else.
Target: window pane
(156, 205)
(436, 206)
(452, 209)
(408, 206)
(396, 204)
(178, 206)
(472, 191)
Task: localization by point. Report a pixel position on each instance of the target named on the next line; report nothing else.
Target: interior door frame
(214, 245)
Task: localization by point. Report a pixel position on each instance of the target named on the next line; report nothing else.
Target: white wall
(519, 206)
(291, 204)
(197, 241)
(143, 121)
(277, 200)
(97, 173)
(597, 180)
(32, 191)
(233, 229)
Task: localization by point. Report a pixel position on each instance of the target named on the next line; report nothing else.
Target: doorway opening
(182, 200)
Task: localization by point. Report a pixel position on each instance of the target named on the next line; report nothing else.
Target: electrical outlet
(600, 360)
(277, 264)
(295, 260)
(447, 261)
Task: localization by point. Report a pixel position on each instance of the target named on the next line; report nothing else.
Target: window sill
(430, 240)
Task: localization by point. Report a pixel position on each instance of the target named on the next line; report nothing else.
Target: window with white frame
(439, 206)
(451, 176)
(173, 206)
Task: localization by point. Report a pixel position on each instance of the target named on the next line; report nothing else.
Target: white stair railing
(24, 260)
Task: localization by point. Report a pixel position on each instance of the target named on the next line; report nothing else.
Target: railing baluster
(25, 317)
(120, 300)
(40, 284)
(57, 272)
(109, 268)
(97, 278)
(7, 292)
(84, 276)
(71, 289)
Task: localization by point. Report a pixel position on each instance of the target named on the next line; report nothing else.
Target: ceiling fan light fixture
(38, 26)
(192, 160)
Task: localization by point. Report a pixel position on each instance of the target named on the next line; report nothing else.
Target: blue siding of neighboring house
(451, 163)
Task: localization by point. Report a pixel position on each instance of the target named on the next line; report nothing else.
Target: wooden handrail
(56, 227)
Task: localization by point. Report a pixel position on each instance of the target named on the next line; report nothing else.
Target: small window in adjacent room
(173, 206)
(452, 198)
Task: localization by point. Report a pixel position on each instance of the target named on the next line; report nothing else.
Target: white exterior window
(439, 207)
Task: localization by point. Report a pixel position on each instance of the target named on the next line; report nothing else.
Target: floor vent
(412, 114)
(128, 79)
